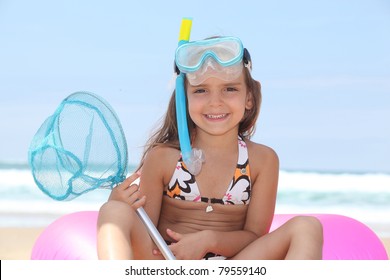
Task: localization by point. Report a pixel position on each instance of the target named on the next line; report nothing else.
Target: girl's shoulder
(161, 154)
(162, 160)
(257, 149)
(261, 157)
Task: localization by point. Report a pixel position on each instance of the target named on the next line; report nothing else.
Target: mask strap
(247, 60)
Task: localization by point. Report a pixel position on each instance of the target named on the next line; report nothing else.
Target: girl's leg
(121, 234)
(299, 238)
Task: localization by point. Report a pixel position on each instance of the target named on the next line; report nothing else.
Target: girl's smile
(218, 117)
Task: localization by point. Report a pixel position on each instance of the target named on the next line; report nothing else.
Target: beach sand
(17, 243)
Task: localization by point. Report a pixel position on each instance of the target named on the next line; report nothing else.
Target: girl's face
(217, 106)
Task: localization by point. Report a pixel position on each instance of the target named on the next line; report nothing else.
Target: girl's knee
(117, 207)
(115, 212)
(306, 238)
(112, 205)
(309, 225)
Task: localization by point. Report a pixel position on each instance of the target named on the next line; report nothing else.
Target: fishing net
(79, 148)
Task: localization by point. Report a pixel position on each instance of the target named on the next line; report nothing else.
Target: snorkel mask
(221, 57)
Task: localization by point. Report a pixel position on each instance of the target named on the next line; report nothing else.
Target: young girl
(226, 210)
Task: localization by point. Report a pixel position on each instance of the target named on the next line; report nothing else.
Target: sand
(17, 243)
(386, 242)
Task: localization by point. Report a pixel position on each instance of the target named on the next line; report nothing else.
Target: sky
(324, 67)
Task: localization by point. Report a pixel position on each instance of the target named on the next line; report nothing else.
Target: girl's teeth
(216, 116)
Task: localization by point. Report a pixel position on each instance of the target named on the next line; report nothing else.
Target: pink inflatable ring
(73, 237)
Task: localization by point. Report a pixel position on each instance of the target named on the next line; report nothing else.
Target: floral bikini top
(183, 184)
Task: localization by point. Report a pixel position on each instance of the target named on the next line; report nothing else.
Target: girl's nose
(215, 99)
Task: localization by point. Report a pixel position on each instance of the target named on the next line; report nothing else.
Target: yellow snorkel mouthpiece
(185, 30)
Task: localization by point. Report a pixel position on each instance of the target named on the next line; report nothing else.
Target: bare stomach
(187, 217)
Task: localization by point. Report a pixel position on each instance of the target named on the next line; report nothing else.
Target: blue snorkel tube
(193, 158)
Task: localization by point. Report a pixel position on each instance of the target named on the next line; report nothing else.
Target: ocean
(363, 196)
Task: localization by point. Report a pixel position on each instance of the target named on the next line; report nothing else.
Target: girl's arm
(193, 246)
(159, 162)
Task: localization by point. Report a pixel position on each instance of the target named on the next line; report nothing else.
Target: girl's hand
(192, 246)
(128, 192)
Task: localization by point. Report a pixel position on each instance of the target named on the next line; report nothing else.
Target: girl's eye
(199, 90)
(230, 89)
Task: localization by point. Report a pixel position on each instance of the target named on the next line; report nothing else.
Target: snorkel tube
(193, 158)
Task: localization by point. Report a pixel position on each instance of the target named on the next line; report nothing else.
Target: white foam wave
(11, 178)
(328, 182)
(314, 182)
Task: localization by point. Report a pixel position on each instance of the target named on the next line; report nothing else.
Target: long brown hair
(167, 132)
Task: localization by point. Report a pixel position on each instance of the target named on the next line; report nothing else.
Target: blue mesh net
(79, 148)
